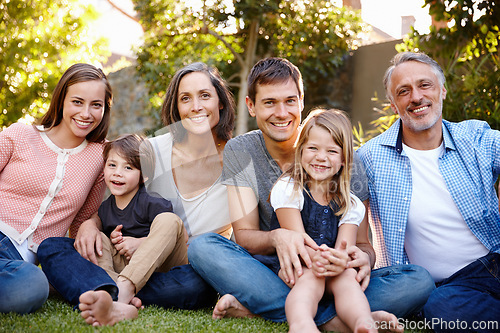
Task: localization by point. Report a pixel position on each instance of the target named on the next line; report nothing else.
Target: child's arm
(287, 203)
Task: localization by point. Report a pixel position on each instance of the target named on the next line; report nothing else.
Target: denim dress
(320, 222)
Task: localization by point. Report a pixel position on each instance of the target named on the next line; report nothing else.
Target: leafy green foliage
(385, 119)
(38, 41)
(314, 35)
(469, 55)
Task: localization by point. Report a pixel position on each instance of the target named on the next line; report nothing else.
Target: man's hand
(329, 261)
(290, 245)
(128, 246)
(88, 241)
(361, 261)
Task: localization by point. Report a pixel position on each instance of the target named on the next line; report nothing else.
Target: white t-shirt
(283, 196)
(437, 237)
(207, 212)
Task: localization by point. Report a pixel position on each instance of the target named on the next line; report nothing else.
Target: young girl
(313, 196)
(50, 181)
(140, 234)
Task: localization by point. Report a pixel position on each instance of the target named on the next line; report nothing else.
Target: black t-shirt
(137, 217)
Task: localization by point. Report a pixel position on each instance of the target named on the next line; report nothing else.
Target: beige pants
(165, 247)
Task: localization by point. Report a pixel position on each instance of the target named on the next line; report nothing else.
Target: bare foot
(126, 290)
(386, 322)
(365, 325)
(136, 302)
(98, 309)
(229, 306)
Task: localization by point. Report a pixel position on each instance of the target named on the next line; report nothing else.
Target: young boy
(140, 234)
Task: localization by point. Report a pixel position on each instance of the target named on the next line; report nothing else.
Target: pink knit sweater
(46, 190)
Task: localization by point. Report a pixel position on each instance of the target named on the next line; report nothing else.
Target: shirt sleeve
(6, 147)
(359, 181)
(158, 206)
(356, 214)
(283, 195)
(237, 165)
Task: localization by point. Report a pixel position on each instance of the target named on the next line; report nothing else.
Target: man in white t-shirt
(432, 197)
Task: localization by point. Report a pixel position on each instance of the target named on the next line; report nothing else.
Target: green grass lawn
(58, 316)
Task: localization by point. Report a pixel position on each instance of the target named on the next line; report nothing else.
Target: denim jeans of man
(469, 300)
(72, 275)
(23, 286)
(231, 269)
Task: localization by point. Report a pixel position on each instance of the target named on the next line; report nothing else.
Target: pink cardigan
(46, 190)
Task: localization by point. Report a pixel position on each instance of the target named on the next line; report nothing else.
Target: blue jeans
(231, 269)
(23, 286)
(471, 296)
(72, 275)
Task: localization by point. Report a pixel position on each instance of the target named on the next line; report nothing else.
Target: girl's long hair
(338, 125)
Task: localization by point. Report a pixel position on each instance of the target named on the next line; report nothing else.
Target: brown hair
(273, 70)
(338, 125)
(136, 150)
(75, 74)
(170, 110)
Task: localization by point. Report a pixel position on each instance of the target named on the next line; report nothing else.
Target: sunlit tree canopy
(39, 40)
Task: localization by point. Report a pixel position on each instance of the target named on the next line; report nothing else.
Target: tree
(465, 44)
(232, 35)
(39, 41)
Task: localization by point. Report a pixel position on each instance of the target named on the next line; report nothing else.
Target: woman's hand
(329, 261)
(88, 241)
(128, 246)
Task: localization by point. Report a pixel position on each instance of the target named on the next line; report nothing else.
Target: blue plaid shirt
(470, 167)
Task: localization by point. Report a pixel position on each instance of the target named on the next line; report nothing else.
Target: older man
(432, 197)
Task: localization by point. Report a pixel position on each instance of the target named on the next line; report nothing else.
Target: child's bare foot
(229, 306)
(126, 290)
(98, 309)
(382, 320)
(136, 302)
(365, 325)
(386, 322)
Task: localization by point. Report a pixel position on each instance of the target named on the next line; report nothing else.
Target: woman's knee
(25, 288)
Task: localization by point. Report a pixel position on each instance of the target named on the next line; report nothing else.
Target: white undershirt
(25, 252)
(437, 237)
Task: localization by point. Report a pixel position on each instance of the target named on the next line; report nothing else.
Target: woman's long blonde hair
(338, 125)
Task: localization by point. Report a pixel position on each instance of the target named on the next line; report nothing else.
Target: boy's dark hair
(136, 150)
(273, 70)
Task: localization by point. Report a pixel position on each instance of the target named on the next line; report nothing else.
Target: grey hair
(412, 56)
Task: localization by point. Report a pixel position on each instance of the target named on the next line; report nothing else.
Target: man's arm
(363, 254)
(288, 244)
